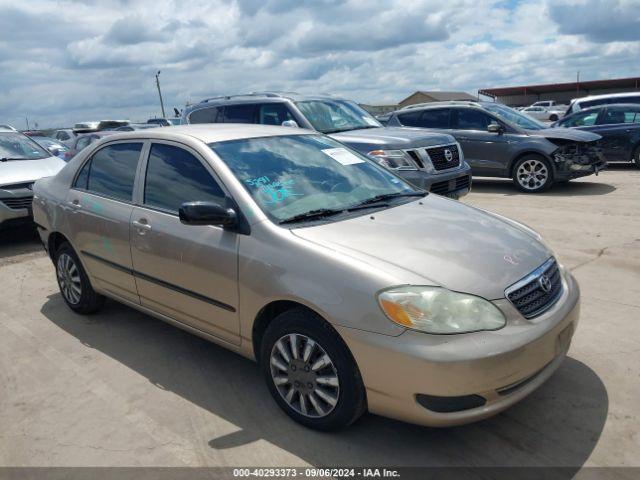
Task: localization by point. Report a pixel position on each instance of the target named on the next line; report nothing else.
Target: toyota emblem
(545, 283)
(448, 155)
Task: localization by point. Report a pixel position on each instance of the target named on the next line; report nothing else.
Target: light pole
(160, 93)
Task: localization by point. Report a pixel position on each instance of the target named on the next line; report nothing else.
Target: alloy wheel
(304, 375)
(532, 174)
(69, 279)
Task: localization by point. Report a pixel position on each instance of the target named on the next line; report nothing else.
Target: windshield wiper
(8, 159)
(386, 196)
(312, 214)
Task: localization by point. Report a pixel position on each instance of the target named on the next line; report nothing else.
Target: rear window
(410, 119)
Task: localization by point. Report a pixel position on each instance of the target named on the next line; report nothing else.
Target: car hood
(566, 134)
(23, 171)
(443, 241)
(393, 137)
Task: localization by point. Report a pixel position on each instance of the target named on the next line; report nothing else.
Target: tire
(635, 160)
(532, 174)
(342, 398)
(553, 118)
(75, 288)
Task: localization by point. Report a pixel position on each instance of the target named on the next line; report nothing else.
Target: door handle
(74, 204)
(142, 225)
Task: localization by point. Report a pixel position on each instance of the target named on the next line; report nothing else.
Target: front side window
(16, 146)
(582, 119)
(411, 118)
(274, 114)
(297, 174)
(175, 176)
(333, 116)
(472, 119)
(438, 118)
(239, 114)
(62, 136)
(113, 170)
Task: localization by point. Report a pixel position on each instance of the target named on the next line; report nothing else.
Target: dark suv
(432, 161)
(499, 141)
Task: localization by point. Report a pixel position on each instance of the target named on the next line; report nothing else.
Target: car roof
(262, 97)
(606, 105)
(606, 95)
(212, 132)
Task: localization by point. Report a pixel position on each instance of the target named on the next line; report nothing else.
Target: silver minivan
(353, 290)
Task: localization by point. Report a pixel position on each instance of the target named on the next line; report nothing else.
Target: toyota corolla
(352, 289)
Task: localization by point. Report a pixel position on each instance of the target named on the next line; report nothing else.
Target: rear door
(187, 272)
(100, 204)
(619, 127)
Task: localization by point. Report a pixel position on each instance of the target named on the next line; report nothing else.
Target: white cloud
(65, 61)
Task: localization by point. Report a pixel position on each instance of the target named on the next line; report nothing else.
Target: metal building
(562, 93)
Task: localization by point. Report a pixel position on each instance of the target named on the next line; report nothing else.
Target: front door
(187, 272)
(487, 153)
(100, 203)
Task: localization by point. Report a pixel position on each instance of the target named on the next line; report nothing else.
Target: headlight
(438, 310)
(393, 159)
(460, 153)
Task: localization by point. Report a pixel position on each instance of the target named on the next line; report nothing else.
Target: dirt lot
(120, 388)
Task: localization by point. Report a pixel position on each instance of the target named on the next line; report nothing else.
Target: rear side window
(411, 118)
(206, 115)
(175, 176)
(112, 170)
(472, 119)
(435, 118)
(240, 114)
(621, 115)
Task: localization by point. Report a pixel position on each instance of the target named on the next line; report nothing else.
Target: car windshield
(512, 116)
(293, 175)
(332, 116)
(16, 146)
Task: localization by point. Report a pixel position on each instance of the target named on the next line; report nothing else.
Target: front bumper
(502, 367)
(15, 204)
(579, 161)
(455, 183)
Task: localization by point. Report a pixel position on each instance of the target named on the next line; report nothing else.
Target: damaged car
(499, 141)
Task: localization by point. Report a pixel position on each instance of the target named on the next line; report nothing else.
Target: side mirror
(495, 128)
(207, 213)
(290, 123)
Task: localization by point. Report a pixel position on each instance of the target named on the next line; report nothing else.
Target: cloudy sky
(66, 61)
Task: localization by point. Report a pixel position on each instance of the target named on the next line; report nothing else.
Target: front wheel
(636, 158)
(532, 174)
(310, 372)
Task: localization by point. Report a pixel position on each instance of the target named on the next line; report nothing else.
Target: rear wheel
(74, 284)
(310, 372)
(533, 174)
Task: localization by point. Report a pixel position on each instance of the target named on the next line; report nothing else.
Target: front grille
(442, 160)
(440, 187)
(463, 182)
(533, 295)
(17, 203)
(17, 186)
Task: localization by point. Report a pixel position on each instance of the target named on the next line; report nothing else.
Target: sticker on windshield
(370, 121)
(342, 156)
